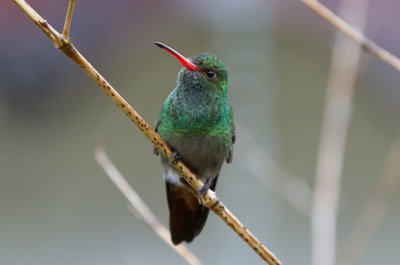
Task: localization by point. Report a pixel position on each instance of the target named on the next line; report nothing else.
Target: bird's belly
(204, 156)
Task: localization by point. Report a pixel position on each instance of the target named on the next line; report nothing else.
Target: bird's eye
(210, 74)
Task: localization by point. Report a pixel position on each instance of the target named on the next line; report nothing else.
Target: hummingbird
(197, 124)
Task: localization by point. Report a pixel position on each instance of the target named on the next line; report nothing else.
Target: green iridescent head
(200, 71)
(210, 73)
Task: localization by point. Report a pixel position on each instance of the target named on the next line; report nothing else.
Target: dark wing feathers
(158, 122)
(230, 154)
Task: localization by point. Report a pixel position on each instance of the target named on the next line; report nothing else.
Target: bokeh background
(58, 207)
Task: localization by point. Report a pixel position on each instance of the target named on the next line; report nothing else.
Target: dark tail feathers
(186, 216)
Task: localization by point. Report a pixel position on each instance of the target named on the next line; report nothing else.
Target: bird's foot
(203, 191)
(175, 158)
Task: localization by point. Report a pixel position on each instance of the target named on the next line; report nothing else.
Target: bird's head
(201, 71)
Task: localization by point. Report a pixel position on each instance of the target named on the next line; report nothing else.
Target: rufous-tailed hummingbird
(197, 123)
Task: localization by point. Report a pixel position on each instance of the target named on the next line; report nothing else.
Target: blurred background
(58, 207)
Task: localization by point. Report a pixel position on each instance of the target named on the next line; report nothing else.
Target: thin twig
(140, 208)
(262, 167)
(209, 199)
(365, 43)
(68, 18)
(337, 112)
(375, 209)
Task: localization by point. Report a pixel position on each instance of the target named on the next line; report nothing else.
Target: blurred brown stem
(141, 210)
(336, 118)
(209, 199)
(365, 43)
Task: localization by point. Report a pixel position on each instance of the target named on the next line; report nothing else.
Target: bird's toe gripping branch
(204, 189)
(175, 157)
(208, 199)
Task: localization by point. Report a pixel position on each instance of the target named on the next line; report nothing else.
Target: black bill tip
(161, 45)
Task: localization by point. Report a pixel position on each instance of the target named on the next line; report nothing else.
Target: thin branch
(209, 199)
(337, 113)
(140, 208)
(365, 43)
(375, 209)
(68, 18)
(271, 175)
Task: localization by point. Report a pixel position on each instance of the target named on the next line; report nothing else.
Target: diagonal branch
(210, 199)
(365, 43)
(141, 210)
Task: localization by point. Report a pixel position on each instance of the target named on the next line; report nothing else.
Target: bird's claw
(175, 158)
(203, 191)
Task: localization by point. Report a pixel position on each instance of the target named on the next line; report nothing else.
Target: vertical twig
(140, 208)
(375, 209)
(337, 112)
(68, 18)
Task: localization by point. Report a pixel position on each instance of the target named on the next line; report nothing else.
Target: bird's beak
(184, 61)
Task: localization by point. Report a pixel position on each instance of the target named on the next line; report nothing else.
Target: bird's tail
(186, 216)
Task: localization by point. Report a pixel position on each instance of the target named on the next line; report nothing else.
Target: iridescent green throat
(194, 113)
